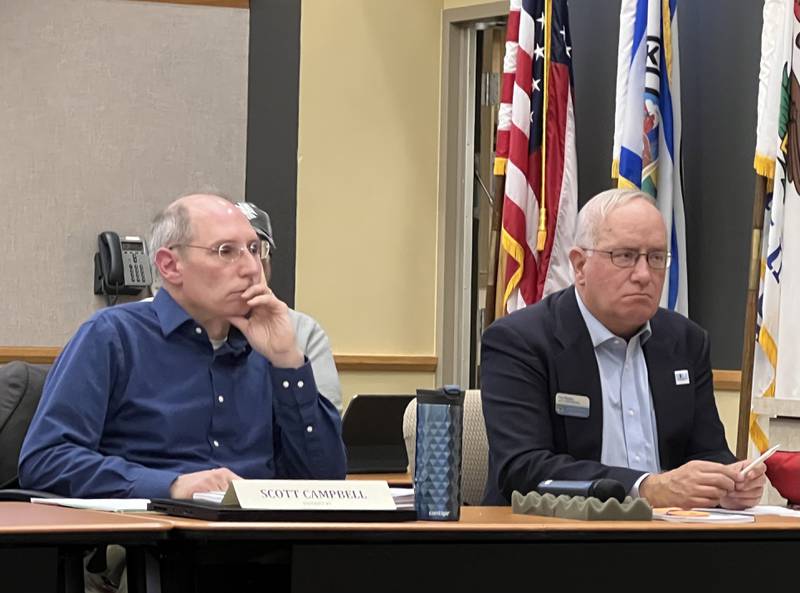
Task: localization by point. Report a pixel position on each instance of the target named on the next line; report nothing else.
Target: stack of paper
(679, 515)
(97, 504)
(211, 496)
(760, 510)
(403, 498)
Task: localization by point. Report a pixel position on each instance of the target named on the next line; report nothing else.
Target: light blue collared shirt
(630, 437)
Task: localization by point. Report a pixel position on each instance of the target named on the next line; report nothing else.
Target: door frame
(456, 186)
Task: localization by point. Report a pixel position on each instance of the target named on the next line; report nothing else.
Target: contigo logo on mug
(443, 514)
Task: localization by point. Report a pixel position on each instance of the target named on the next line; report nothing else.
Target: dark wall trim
(272, 118)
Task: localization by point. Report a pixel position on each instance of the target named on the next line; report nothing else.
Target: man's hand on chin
(268, 328)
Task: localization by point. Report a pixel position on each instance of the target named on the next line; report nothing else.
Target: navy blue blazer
(533, 354)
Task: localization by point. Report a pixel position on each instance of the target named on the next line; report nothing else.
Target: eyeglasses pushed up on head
(627, 258)
(231, 252)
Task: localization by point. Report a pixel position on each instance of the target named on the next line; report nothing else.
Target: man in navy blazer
(596, 381)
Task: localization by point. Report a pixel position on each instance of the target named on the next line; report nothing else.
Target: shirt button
(220, 399)
(216, 443)
(198, 330)
(300, 384)
(638, 458)
(630, 412)
(285, 384)
(309, 428)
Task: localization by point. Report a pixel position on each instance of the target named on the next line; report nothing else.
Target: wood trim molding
(380, 362)
(724, 380)
(35, 354)
(344, 362)
(222, 3)
(727, 380)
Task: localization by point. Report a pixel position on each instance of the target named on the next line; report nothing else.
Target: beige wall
(367, 180)
(728, 406)
(461, 3)
(354, 382)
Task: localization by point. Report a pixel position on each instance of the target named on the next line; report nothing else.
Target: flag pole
(541, 235)
(748, 348)
(489, 313)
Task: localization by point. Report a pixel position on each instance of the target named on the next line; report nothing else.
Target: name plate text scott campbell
(317, 495)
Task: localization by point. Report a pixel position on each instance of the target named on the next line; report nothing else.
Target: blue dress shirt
(139, 396)
(630, 436)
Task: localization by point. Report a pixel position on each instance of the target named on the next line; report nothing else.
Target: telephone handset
(120, 266)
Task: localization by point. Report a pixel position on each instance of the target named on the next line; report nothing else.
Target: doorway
(472, 62)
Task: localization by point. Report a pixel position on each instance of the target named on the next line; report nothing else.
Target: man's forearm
(310, 444)
(73, 471)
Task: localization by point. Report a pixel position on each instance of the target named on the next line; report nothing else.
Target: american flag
(536, 152)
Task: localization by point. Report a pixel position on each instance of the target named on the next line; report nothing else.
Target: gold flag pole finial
(541, 235)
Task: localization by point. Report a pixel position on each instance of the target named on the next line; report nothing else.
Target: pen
(763, 457)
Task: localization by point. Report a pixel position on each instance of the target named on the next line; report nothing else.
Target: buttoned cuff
(295, 386)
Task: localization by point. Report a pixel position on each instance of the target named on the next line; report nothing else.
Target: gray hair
(595, 211)
(171, 226)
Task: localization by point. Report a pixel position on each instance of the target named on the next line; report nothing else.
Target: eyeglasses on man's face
(231, 252)
(627, 258)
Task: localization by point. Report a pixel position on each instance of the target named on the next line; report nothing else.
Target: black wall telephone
(120, 266)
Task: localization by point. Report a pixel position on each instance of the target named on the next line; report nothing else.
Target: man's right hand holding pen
(702, 484)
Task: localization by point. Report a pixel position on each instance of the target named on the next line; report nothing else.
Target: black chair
(372, 431)
(21, 386)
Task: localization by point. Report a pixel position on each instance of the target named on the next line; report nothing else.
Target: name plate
(307, 495)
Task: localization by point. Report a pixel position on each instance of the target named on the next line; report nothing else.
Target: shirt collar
(599, 333)
(171, 316)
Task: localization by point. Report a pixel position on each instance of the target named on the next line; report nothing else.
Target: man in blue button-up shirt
(596, 381)
(202, 385)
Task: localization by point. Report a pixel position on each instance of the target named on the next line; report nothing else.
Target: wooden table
(42, 546)
(402, 480)
(491, 549)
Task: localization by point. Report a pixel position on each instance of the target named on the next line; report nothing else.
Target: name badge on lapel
(682, 377)
(570, 404)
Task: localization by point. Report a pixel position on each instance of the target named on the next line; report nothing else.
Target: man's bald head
(173, 225)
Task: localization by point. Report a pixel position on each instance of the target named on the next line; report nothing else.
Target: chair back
(21, 386)
(474, 446)
(372, 433)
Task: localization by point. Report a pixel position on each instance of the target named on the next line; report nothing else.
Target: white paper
(402, 493)
(761, 510)
(215, 496)
(774, 510)
(97, 504)
(676, 515)
(403, 497)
